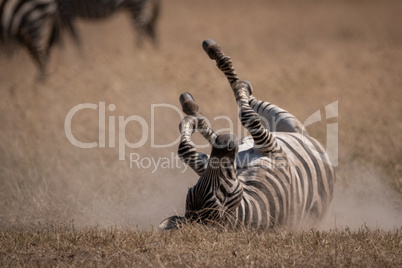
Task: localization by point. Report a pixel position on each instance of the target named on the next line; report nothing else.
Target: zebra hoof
(211, 48)
(185, 97)
(188, 104)
(207, 42)
(172, 222)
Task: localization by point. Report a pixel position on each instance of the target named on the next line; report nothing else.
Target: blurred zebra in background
(144, 14)
(33, 24)
(278, 176)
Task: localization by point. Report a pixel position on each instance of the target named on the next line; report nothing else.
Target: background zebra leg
(145, 22)
(38, 38)
(39, 54)
(73, 32)
(55, 35)
(138, 21)
(66, 11)
(275, 119)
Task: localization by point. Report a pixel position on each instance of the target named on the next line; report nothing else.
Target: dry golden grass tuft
(199, 246)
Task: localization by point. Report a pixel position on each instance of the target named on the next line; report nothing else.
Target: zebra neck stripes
(218, 192)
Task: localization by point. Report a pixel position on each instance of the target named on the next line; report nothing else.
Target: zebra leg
(73, 32)
(36, 30)
(144, 23)
(138, 23)
(189, 107)
(276, 119)
(173, 222)
(264, 140)
(137, 13)
(152, 20)
(194, 121)
(67, 14)
(187, 151)
(55, 36)
(38, 53)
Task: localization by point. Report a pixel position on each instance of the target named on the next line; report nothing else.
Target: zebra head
(218, 192)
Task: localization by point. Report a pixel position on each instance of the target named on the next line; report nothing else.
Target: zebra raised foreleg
(309, 166)
(193, 121)
(187, 152)
(264, 140)
(218, 192)
(276, 118)
(189, 107)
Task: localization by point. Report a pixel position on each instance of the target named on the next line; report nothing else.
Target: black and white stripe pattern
(32, 23)
(144, 14)
(278, 176)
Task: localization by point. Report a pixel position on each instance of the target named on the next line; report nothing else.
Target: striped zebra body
(100, 9)
(289, 189)
(278, 175)
(32, 23)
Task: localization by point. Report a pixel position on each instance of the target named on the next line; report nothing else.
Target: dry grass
(299, 55)
(197, 246)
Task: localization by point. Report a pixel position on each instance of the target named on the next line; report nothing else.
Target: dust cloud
(364, 201)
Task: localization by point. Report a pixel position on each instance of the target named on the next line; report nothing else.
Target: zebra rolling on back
(279, 177)
(32, 23)
(144, 14)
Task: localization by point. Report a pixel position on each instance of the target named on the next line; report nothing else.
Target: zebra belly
(248, 156)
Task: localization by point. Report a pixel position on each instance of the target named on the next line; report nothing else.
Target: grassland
(196, 246)
(301, 56)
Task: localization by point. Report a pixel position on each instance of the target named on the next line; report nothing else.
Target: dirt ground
(300, 55)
